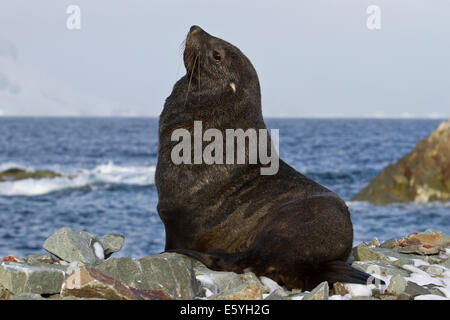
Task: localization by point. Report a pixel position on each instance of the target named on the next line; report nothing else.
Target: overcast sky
(313, 57)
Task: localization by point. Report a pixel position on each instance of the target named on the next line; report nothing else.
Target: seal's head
(213, 63)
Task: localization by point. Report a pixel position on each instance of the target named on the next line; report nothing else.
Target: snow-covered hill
(26, 90)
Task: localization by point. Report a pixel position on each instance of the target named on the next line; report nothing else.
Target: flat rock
(383, 269)
(318, 293)
(39, 258)
(89, 282)
(246, 291)
(21, 278)
(73, 245)
(274, 296)
(385, 256)
(220, 282)
(404, 296)
(433, 270)
(414, 289)
(434, 236)
(372, 298)
(27, 296)
(419, 249)
(170, 272)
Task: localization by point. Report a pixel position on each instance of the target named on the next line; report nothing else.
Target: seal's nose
(194, 28)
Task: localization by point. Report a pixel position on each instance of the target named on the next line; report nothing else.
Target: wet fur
(230, 217)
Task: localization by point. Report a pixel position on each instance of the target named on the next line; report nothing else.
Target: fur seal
(229, 216)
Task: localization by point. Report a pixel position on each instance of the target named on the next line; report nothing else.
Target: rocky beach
(80, 265)
(75, 264)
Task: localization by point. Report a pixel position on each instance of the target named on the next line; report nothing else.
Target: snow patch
(430, 297)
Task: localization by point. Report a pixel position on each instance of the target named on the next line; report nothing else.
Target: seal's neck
(221, 107)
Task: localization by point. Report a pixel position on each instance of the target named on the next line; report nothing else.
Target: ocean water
(111, 164)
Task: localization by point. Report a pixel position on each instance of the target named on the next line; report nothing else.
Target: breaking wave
(102, 175)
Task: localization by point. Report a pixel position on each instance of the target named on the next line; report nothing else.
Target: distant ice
(27, 90)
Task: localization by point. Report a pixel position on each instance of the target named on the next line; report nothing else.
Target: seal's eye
(216, 55)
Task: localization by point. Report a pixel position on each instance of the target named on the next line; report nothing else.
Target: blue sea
(109, 187)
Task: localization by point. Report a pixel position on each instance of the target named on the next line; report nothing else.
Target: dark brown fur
(230, 217)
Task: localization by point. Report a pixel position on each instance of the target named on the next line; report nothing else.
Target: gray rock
(4, 293)
(419, 249)
(436, 259)
(437, 292)
(39, 258)
(318, 293)
(373, 267)
(219, 282)
(414, 289)
(397, 285)
(89, 282)
(386, 298)
(385, 256)
(433, 270)
(275, 296)
(27, 296)
(404, 296)
(364, 298)
(21, 278)
(388, 244)
(446, 263)
(112, 243)
(73, 245)
(170, 272)
(246, 291)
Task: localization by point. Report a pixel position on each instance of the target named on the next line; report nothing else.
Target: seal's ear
(233, 86)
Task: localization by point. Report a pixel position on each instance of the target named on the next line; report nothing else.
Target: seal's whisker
(182, 46)
(199, 61)
(190, 80)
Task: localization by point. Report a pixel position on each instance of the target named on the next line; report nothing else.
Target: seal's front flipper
(217, 260)
(340, 271)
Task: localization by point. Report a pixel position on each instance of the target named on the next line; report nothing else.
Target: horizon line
(393, 117)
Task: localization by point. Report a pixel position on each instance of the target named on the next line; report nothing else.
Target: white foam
(101, 175)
